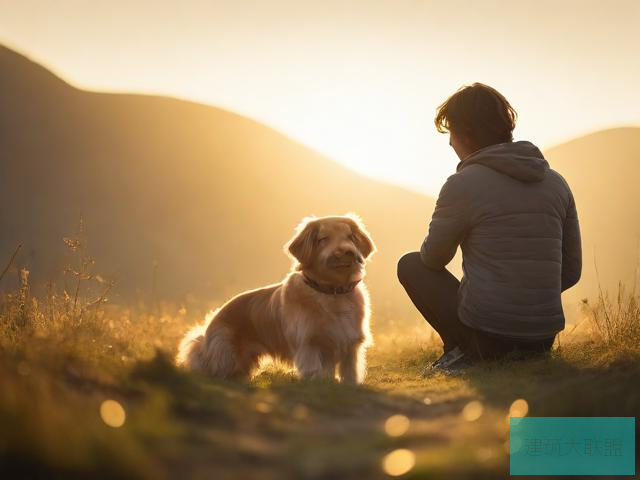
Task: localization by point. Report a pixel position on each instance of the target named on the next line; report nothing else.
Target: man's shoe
(448, 358)
(457, 367)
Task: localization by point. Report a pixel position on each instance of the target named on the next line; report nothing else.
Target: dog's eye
(322, 240)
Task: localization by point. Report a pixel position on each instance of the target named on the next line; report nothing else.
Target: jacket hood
(520, 160)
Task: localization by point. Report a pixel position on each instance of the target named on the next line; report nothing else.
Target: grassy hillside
(97, 395)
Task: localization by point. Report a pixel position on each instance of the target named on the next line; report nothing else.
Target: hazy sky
(357, 80)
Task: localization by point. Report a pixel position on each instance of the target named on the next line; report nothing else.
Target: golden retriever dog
(316, 319)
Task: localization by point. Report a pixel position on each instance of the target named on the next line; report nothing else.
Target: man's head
(476, 116)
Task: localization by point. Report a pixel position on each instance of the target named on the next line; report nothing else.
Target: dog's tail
(210, 354)
(191, 347)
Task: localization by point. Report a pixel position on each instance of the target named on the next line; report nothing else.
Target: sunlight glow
(359, 83)
(375, 131)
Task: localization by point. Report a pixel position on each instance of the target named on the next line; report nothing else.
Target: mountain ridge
(211, 196)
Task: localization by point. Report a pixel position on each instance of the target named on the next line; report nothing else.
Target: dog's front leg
(351, 367)
(308, 362)
(329, 369)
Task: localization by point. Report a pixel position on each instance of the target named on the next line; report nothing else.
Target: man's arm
(571, 247)
(449, 225)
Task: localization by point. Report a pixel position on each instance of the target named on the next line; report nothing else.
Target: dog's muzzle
(347, 260)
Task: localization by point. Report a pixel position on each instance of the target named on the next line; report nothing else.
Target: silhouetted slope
(211, 195)
(603, 170)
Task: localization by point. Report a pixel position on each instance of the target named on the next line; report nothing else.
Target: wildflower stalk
(6, 269)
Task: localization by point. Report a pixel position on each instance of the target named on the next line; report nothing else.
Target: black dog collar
(330, 289)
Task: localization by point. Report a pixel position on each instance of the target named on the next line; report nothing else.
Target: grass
(62, 356)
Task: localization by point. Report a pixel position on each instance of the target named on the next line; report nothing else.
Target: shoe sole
(449, 362)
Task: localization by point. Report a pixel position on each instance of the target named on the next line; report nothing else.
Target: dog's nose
(344, 253)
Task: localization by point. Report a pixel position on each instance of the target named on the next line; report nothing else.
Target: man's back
(516, 222)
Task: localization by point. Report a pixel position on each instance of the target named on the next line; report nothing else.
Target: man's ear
(363, 238)
(302, 244)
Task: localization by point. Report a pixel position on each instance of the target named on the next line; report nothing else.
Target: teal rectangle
(572, 445)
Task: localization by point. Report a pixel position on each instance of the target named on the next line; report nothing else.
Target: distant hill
(603, 169)
(210, 195)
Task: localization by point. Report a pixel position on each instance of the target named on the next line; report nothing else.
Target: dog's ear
(301, 245)
(363, 238)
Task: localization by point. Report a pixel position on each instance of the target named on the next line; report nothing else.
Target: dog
(316, 319)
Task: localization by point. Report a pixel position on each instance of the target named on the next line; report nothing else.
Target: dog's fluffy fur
(296, 321)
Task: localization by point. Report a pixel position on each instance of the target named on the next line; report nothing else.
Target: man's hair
(477, 112)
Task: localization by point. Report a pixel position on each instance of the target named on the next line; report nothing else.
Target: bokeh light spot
(519, 408)
(263, 407)
(112, 413)
(398, 462)
(396, 425)
(472, 411)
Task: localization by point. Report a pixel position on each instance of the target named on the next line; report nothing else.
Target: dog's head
(333, 249)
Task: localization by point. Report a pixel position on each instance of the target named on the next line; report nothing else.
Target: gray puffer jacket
(516, 222)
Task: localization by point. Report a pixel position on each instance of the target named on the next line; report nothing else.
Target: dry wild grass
(64, 353)
(614, 321)
(77, 320)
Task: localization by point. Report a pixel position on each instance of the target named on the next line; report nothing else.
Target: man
(516, 222)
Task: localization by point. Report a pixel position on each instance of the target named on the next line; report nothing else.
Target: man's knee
(407, 265)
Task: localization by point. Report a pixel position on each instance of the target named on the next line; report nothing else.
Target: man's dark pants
(435, 295)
